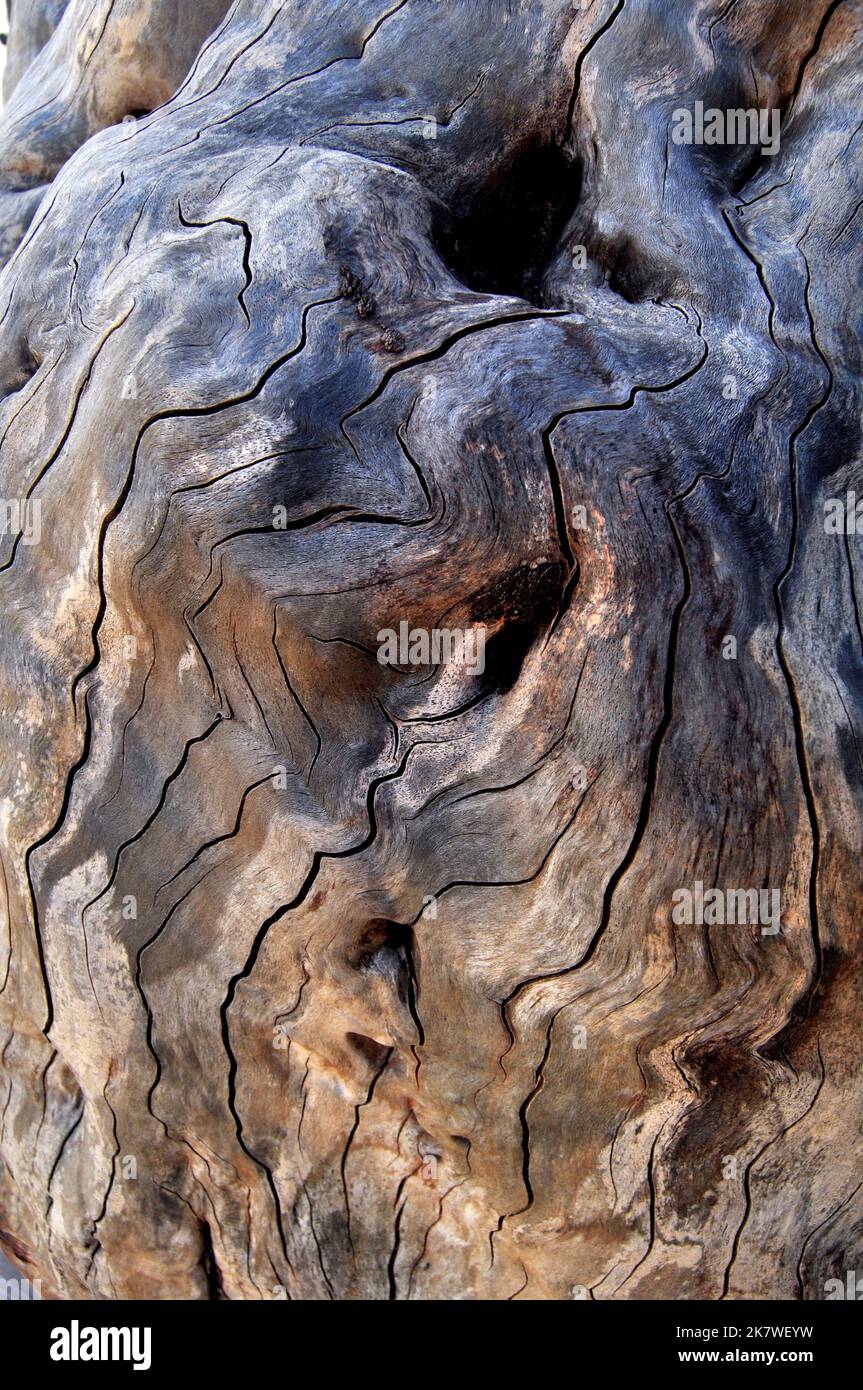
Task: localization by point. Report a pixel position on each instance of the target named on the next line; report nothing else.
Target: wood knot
(351, 287)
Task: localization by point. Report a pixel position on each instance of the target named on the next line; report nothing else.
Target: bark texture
(327, 979)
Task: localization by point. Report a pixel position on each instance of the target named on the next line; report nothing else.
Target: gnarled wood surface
(244, 1055)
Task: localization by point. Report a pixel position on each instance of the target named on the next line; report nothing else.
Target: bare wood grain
(369, 974)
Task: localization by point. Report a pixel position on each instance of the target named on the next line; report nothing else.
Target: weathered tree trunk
(31, 24)
(107, 61)
(325, 978)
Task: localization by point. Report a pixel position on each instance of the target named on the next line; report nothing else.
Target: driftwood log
(327, 978)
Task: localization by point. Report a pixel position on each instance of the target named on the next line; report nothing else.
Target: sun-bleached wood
(326, 979)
